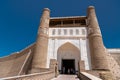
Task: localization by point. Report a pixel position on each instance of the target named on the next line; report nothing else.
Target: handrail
(22, 76)
(24, 62)
(90, 76)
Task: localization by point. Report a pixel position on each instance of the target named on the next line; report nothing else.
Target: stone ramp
(66, 77)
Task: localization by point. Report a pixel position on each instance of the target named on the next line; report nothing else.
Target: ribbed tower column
(97, 49)
(40, 53)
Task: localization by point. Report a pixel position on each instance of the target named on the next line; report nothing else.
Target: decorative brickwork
(98, 54)
(70, 44)
(40, 53)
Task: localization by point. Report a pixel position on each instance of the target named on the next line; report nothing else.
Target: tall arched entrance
(68, 56)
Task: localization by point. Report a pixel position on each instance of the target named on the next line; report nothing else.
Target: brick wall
(11, 65)
(35, 76)
(114, 67)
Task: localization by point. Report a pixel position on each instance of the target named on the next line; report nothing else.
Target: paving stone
(66, 77)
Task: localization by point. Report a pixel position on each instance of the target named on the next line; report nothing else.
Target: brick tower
(40, 53)
(97, 49)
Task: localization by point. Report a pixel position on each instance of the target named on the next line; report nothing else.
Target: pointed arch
(68, 42)
(68, 51)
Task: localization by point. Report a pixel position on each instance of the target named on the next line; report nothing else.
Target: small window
(77, 31)
(59, 31)
(65, 32)
(53, 32)
(71, 32)
(83, 31)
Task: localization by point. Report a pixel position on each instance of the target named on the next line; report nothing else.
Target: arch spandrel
(75, 44)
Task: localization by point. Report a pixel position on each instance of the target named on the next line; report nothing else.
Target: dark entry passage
(68, 66)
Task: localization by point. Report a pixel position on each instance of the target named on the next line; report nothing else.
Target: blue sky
(19, 20)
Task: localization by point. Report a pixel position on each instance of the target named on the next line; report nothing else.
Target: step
(66, 77)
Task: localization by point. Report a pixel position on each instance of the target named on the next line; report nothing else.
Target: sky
(19, 20)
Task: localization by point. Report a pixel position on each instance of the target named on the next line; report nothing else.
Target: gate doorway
(68, 66)
(68, 56)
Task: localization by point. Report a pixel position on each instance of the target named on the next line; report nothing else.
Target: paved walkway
(66, 77)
